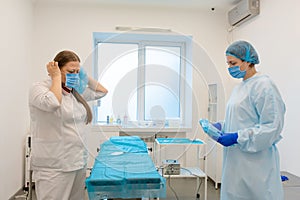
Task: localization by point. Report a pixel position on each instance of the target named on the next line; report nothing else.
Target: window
(146, 76)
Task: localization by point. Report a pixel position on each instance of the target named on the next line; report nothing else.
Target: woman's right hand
(55, 74)
(53, 69)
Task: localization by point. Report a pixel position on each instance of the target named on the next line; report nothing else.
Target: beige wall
(15, 51)
(32, 34)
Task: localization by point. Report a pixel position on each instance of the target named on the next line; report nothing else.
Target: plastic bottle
(111, 119)
(125, 120)
(118, 120)
(107, 119)
(167, 123)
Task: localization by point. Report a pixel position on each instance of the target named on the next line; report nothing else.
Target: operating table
(124, 169)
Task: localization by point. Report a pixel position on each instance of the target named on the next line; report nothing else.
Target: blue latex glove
(284, 178)
(228, 139)
(218, 125)
(83, 81)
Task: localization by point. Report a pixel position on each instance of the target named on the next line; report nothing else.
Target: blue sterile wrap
(178, 141)
(129, 144)
(124, 169)
(210, 130)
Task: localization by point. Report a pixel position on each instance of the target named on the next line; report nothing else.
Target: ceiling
(193, 4)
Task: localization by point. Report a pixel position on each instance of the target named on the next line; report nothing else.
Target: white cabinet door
(214, 151)
(214, 159)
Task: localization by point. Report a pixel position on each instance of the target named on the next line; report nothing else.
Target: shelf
(117, 128)
(185, 172)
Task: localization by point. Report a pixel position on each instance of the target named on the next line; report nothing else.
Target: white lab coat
(251, 168)
(58, 130)
(59, 155)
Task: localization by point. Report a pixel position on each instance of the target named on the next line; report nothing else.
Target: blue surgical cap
(243, 50)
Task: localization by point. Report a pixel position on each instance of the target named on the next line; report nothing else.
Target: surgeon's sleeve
(90, 95)
(42, 98)
(270, 110)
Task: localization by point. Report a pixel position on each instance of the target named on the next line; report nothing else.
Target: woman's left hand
(53, 69)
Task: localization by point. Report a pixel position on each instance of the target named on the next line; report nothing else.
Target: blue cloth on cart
(178, 141)
(124, 169)
(129, 144)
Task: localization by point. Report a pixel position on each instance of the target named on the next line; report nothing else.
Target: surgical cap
(243, 50)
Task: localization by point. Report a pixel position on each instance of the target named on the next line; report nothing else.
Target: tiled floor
(291, 187)
(186, 189)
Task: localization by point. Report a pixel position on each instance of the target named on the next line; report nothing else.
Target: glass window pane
(117, 71)
(162, 82)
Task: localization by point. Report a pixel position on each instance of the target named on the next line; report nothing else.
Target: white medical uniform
(59, 155)
(251, 168)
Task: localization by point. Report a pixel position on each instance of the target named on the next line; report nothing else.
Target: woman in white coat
(59, 117)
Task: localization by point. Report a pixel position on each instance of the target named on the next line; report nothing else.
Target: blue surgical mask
(236, 72)
(72, 80)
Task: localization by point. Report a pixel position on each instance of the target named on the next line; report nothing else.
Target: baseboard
(20, 194)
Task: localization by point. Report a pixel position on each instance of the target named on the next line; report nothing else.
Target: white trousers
(51, 185)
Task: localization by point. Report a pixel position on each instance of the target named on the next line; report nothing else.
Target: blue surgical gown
(251, 170)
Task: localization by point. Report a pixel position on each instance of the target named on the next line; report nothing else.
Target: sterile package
(208, 128)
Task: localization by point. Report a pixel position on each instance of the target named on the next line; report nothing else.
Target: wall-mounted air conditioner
(243, 11)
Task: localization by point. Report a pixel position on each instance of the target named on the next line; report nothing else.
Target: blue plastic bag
(210, 130)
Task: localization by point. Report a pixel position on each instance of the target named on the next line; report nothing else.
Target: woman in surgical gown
(253, 123)
(59, 117)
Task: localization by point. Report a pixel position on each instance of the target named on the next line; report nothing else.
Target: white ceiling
(195, 4)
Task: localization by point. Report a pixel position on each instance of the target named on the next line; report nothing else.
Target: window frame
(143, 40)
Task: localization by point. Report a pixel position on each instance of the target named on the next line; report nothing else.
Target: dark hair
(63, 58)
(80, 99)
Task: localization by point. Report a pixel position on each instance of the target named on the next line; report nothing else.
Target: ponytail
(80, 99)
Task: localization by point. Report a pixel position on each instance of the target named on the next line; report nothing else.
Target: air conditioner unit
(243, 11)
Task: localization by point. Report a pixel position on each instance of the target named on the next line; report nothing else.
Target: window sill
(120, 128)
